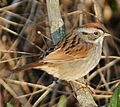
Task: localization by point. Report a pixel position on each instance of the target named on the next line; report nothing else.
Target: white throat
(99, 40)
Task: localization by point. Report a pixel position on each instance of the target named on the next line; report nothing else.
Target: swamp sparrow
(75, 55)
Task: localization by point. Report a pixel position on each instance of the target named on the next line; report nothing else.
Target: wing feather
(69, 48)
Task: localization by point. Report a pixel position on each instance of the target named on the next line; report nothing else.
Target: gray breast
(93, 59)
(85, 66)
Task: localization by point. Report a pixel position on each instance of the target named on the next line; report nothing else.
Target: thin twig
(19, 52)
(111, 57)
(17, 15)
(12, 6)
(8, 88)
(109, 83)
(104, 81)
(102, 68)
(43, 96)
(12, 59)
(10, 22)
(8, 30)
(33, 93)
(103, 92)
(26, 83)
(102, 96)
(16, 34)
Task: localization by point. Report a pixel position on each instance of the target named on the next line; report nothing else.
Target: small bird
(75, 55)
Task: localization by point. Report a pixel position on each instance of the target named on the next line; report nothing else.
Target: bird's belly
(72, 70)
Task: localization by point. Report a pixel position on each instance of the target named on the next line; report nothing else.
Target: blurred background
(25, 37)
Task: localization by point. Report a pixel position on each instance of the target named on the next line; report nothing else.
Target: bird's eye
(96, 33)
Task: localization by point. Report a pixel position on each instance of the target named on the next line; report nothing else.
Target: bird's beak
(107, 34)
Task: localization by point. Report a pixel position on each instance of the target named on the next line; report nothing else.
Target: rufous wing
(70, 48)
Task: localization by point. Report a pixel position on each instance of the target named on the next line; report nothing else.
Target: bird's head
(93, 32)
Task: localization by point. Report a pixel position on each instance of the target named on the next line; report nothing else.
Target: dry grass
(21, 43)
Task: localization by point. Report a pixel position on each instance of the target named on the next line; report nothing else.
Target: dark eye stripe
(84, 33)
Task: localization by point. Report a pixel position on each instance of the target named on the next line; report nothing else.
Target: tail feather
(28, 67)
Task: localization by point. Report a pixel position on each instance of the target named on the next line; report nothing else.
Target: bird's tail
(28, 67)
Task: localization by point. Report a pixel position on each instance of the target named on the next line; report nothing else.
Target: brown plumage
(75, 55)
